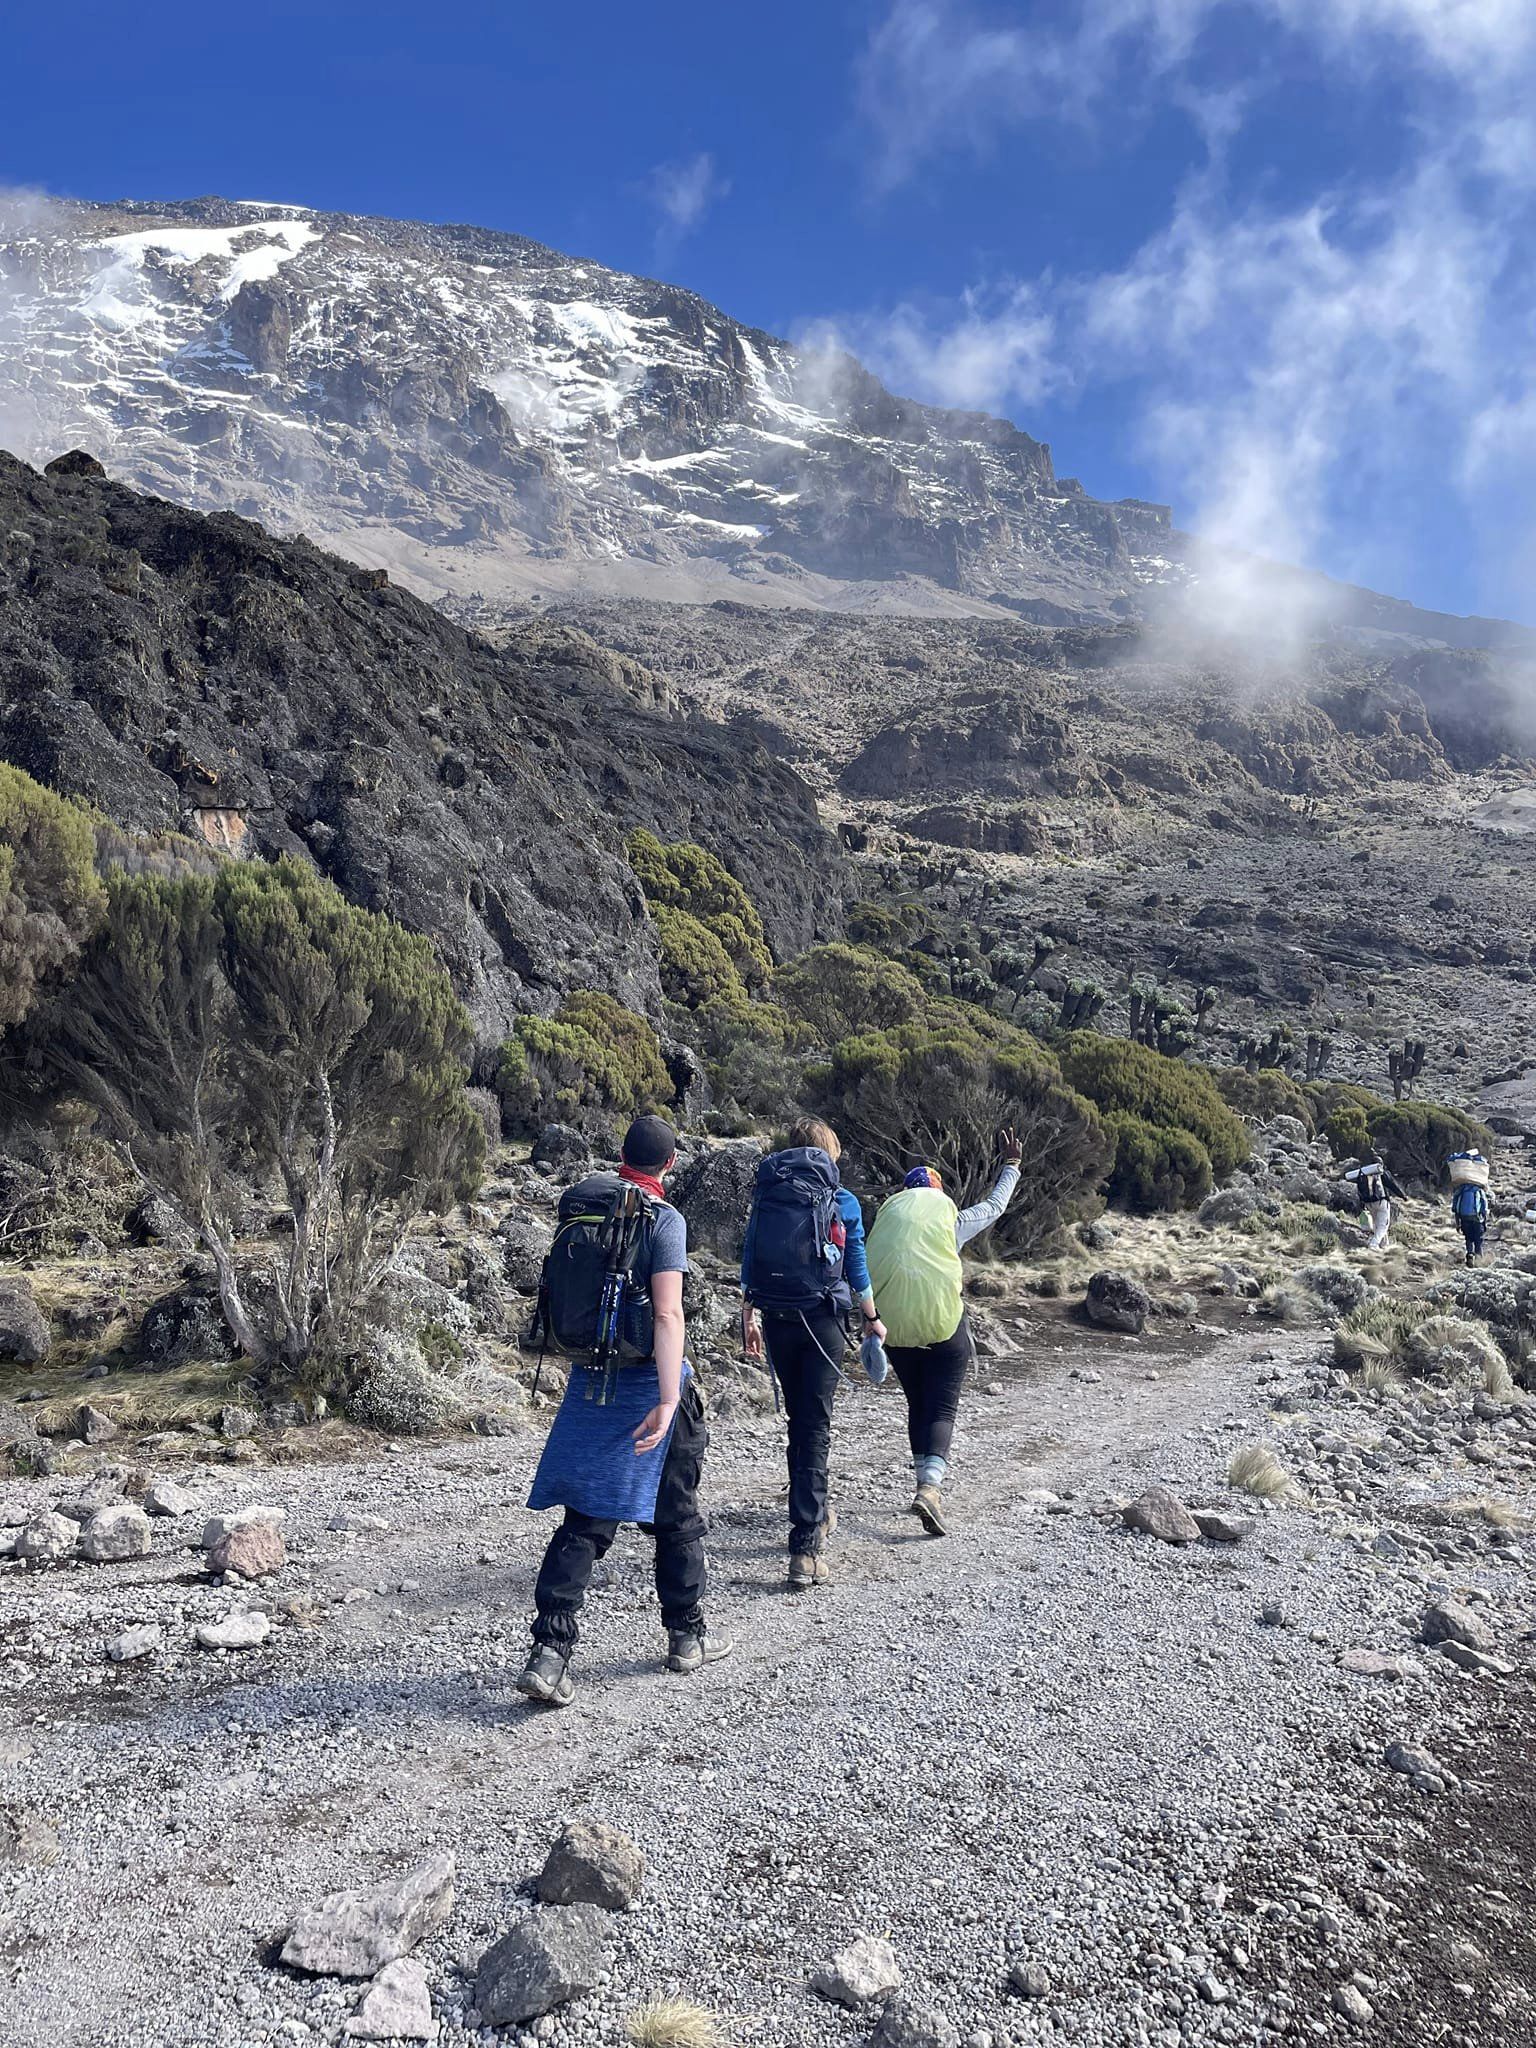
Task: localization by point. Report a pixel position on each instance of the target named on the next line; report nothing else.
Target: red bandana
(648, 1183)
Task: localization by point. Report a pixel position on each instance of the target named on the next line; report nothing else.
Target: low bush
(51, 897)
(689, 881)
(1133, 1080)
(938, 1091)
(593, 1062)
(1412, 1139)
(1379, 1329)
(1156, 1167)
(1267, 1094)
(839, 990)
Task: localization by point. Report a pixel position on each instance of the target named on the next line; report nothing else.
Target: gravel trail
(1046, 1741)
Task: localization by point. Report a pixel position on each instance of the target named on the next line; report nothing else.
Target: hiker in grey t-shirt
(628, 1446)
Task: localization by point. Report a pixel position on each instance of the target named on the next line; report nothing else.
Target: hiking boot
(806, 1571)
(928, 1506)
(689, 1649)
(546, 1677)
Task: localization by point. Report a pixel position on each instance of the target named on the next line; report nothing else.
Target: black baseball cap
(649, 1143)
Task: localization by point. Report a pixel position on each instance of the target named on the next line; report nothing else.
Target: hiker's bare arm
(982, 1215)
(667, 1315)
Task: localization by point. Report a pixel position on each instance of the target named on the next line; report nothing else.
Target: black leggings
(931, 1377)
(804, 1353)
(677, 1525)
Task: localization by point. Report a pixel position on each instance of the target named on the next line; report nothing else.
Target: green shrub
(51, 897)
(253, 1023)
(1156, 1166)
(688, 879)
(593, 1061)
(1266, 1094)
(939, 1089)
(840, 990)
(1347, 1132)
(1133, 1080)
(696, 969)
(1414, 1139)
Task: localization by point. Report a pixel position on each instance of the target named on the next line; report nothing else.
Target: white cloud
(992, 350)
(683, 193)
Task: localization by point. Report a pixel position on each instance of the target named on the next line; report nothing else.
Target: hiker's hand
(654, 1427)
(751, 1335)
(873, 1327)
(1012, 1150)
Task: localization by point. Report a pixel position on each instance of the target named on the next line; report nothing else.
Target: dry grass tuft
(1379, 1328)
(1380, 1375)
(1255, 1469)
(1283, 1303)
(673, 2023)
(1463, 1348)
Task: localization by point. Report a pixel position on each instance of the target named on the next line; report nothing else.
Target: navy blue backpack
(795, 1234)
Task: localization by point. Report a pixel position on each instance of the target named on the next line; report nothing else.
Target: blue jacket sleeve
(855, 1260)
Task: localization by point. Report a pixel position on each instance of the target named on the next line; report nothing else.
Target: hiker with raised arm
(914, 1264)
(802, 1268)
(629, 1440)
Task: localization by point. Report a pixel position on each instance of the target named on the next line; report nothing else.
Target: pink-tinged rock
(252, 1550)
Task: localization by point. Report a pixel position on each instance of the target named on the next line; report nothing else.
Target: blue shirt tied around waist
(589, 1460)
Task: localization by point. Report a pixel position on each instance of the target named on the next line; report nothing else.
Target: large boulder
(592, 1865)
(551, 1957)
(525, 1241)
(1452, 1621)
(116, 1532)
(183, 1325)
(25, 1338)
(714, 1192)
(356, 1933)
(47, 1538)
(1117, 1302)
(559, 1150)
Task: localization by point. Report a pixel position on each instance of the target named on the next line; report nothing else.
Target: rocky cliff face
(192, 673)
(487, 413)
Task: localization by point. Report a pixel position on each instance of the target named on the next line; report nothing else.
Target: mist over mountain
(487, 417)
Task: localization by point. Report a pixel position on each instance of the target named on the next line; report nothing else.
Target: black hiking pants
(931, 1376)
(678, 1527)
(1472, 1229)
(804, 1353)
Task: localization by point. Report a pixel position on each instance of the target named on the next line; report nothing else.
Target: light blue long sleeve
(982, 1215)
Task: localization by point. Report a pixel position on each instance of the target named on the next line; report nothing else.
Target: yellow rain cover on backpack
(914, 1267)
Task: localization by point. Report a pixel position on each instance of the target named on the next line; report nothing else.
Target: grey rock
(95, 1427)
(905, 2024)
(1450, 1621)
(525, 1242)
(1229, 1206)
(1161, 1514)
(553, 1956)
(1117, 1302)
(1028, 1980)
(714, 1192)
(165, 1497)
(356, 1933)
(154, 1220)
(99, 1492)
(1421, 1765)
(1350, 2001)
(183, 1325)
(1375, 1664)
(865, 1969)
(397, 2006)
(593, 1865)
(237, 1421)
(135, 1643)
(246, 1628)
(1481, 1662)
(116, 1532)
(47, 1538)
(559, 1149)
(24, 1334)
(1218, 1526)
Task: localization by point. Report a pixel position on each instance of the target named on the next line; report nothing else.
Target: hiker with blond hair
(802, 1268)
(914, 1266)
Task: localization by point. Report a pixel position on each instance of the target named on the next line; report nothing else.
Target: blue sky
(1268, 259)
